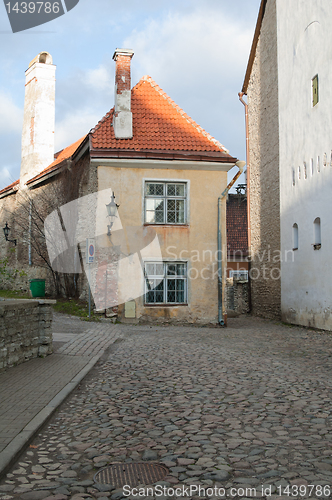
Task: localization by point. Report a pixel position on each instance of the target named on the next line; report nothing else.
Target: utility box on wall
(130, 309)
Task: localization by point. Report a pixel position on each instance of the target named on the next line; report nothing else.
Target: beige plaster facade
(194, 242)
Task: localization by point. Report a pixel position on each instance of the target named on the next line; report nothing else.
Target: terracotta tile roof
(8, 188)
(237, 228)
(61, 156)
(158, 124)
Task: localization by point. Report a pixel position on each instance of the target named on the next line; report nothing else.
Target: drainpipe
(241, 94)
(222, 316)
(30, 225)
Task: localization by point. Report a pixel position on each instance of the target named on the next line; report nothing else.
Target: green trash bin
(37, 288)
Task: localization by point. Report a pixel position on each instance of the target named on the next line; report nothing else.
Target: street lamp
(6, 230)
(112, 208)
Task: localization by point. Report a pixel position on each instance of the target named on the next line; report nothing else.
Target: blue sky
(197, 52)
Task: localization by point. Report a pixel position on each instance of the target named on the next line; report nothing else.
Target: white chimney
(123, 118)
(39, 117)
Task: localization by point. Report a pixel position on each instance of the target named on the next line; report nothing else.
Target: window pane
(150, 203)
(175, 190)
(181, 269)
(153, 189)
(171, 296)
(180, 190)
(149, 297)
(171, 269)
(149, 269)
(154, 210)
(150, 218)
(160, 269)
(171, 189)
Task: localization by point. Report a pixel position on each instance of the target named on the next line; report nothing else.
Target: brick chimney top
(123, 127)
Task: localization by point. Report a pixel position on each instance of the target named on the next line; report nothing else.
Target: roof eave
(8, 192)
(31, 183)
(212, 156)
(254, 46)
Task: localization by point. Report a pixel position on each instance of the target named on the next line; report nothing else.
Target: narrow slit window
(325, 159)
(304, 170)
(293, 177)
(312, 166)
(315, 94)
(295, 236)
(317, 234)
(318, 164)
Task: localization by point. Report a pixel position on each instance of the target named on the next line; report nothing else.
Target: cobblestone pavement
(244, 407)
(26, 389)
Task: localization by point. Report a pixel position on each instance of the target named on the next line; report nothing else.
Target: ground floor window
(165, 282)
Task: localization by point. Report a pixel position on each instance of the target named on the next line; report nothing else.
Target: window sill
(317, 246)
(295, 249)
(175, 304)
(165, 224)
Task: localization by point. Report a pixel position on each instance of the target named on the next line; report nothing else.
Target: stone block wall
(25, 331)
(237, 295)
(264, 182)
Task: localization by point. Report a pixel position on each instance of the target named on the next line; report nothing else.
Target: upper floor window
(315, 96)
(165, 202)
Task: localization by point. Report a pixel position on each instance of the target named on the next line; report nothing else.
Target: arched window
(295, 236)
(317, 234)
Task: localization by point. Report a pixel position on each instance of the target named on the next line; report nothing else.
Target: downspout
(241, 94)
(222, 316)
(30, 226)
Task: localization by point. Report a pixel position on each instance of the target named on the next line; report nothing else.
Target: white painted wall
(304, 50)
(39, 117)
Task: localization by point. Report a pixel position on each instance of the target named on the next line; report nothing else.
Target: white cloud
(11, 116)
(199, 58)
(205, 42)
(74, 126)
(100, 79)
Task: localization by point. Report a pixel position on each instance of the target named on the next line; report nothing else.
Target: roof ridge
(101, 121)
(192, 122)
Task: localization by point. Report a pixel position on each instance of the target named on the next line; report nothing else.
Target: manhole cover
(132, 474)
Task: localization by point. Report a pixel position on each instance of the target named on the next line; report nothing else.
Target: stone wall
(25, 331)
(237, 295)
(264, 171)
(25, 211)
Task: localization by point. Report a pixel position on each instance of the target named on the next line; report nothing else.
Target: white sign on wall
(90, 250)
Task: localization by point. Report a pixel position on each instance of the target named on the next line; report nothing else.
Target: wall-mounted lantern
(112, 209)
(6, 230)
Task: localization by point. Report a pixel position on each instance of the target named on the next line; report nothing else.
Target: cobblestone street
(239, 408)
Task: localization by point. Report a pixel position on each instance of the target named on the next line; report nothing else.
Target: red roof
(237, 227)
(158, 125)
(8, 188)
(63, 155)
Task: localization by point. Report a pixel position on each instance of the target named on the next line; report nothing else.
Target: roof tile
(158, 124)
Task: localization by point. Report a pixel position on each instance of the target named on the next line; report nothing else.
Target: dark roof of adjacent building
(237, 227)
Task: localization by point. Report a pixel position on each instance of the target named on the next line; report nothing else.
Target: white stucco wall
(38, 119)
(305, 50)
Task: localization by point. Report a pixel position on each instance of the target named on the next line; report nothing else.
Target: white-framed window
(165, 282)
(239, 274)
(165, 202)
